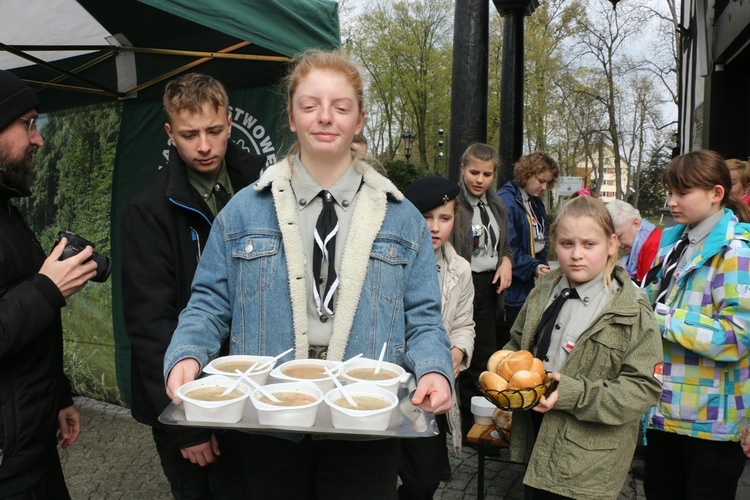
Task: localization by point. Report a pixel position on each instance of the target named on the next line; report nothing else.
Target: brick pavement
(114, 458)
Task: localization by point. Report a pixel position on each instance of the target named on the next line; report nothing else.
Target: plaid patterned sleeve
(711, 315)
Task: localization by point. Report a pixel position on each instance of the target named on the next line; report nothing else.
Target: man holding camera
(36, 407)
(164, 229)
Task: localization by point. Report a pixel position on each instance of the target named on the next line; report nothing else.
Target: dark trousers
(220, 480)
(321, 468)
(503, 329)
(485, 344)
(682, 467)
(530, 493)
(420, 465)
(51, 485)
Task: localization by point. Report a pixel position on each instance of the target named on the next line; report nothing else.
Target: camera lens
(103, 267)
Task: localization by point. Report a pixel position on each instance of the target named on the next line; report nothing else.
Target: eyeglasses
(32, 124)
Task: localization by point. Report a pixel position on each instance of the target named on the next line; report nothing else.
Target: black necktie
(670, 266)
(222, 197)
(485, 217)
(543, 332)
(324, 252)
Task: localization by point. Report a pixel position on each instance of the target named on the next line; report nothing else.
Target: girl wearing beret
(424, 460)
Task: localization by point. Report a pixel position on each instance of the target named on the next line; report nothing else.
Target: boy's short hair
(192, 91)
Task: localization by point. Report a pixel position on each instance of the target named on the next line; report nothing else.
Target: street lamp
(408, 138)
(440, 147)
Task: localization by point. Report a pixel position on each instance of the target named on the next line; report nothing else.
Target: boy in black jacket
(164, 229)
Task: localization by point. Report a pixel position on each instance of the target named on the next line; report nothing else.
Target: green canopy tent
(127, 50)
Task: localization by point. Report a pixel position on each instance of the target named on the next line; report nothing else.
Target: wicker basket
(519, 399)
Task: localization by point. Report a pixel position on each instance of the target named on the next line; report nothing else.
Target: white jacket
(458, 320)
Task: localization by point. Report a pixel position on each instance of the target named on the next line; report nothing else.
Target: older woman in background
(639, 239)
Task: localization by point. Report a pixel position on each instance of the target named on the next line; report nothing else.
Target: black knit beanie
(16, 98)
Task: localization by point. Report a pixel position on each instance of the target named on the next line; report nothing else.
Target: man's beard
(16, 174)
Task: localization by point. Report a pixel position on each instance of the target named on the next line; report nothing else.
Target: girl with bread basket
(603, 349)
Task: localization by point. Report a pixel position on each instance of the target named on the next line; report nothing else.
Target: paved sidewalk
(114, 457)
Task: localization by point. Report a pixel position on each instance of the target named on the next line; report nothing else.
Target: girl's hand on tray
(181, 373)
(433, 393)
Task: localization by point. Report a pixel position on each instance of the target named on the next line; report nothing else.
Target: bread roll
(538, 367)
(520, 360)
(524, 379)
(494, 362)
(492, 381)
(502, 419)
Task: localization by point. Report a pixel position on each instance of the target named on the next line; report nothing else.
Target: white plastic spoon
(343, 392)
(380, 358)
(256, 385)
(275, 358)
(237, 382)
(344, 363)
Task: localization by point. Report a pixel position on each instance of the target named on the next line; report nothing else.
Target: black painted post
(469, 80)
(511, 83)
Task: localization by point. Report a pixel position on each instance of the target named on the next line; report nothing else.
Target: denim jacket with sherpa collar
(254, 263)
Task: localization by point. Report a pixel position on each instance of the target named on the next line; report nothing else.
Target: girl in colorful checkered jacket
(702, 303)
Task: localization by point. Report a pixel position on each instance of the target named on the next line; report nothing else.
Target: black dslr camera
(76, 244)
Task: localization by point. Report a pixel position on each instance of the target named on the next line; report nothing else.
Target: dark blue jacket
(520, 237)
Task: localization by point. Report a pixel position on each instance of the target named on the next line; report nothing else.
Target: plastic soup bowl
(226, 365)
(360, 369)
(482, 410)
(228, 411)
(291, 416)
(365, 420)
(294, 371)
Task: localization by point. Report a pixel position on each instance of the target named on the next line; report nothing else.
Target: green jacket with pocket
(586, 442)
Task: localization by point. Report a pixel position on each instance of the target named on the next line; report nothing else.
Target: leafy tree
(405, 47)
(402, 174)
(603, 33)
(72, 189)
(546, 31)
(652, 195)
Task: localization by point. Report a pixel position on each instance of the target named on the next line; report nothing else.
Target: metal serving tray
(407, 421)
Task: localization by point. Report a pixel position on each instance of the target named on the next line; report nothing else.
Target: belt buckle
(317, 352)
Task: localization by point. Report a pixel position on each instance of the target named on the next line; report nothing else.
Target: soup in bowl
(203, 401)
(297, 406)
(363, 370)
(226, 365)
(307, 370)
(374, 407)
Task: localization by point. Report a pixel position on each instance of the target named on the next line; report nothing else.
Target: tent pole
(146, 50)
(182, 69)
(57, 69)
